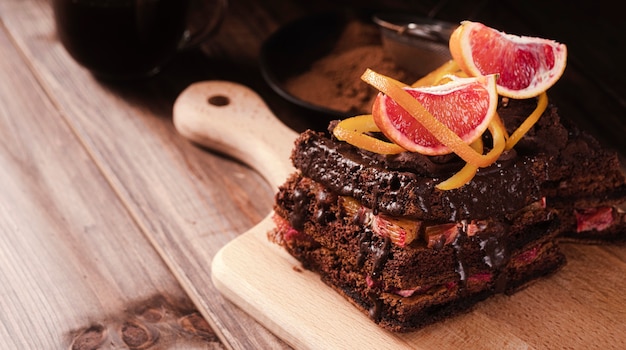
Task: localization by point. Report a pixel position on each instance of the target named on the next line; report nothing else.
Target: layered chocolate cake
(585, 181)
(378, 230)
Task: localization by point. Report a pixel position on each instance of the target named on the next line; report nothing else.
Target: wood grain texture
(72, 260)
(172, 191)
(231, 118)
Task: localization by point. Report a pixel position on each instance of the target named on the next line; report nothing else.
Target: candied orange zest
(467, 173)
(542, 104)
(463, 176)
(441, 132)
(502, 128)
(498, 134)
(352, 130)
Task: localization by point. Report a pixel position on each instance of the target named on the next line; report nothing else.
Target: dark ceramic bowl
(294, 47)
(417, 44)
(412, 41)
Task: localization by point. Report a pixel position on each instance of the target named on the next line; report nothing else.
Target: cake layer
(394, 184)
(401, 284)
(592, 225)
(585, 183)
(433, 251)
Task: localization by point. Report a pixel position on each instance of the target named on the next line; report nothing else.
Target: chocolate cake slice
(585, 181)
(408, 254)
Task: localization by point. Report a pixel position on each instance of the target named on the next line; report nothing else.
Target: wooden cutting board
(581, 306)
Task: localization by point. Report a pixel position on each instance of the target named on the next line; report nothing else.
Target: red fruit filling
(440, 235)
(287, 232)
(371, 282)
(526, 257)
(593, 219)
(400, 231)
(478, 278)
(474, 227)
(290, 234)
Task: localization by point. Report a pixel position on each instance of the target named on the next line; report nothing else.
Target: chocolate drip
(495, 252)
(323, 214)
(297, 217)
(496, 257)
(376, 309)
(381, 253)
(378, 248)
(457, 244)
(364, 244)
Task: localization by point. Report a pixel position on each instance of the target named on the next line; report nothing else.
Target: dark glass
(121, 38)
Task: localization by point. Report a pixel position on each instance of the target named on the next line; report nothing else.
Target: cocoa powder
(333, 81)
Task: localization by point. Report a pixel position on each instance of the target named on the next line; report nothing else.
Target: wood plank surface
(172, 190)
(76, 271)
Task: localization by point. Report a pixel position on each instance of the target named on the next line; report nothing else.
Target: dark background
(592, 90)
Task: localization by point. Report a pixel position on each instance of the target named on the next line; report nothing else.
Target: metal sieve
(417, 44)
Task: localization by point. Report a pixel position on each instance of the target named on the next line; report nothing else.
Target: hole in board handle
(218, 100)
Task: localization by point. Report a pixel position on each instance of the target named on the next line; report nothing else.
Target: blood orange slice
(527, 66)
(437, 119)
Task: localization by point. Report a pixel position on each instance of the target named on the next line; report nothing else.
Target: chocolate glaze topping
(404, 184)
(410, 192)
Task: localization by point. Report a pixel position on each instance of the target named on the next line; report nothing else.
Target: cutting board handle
(232, 119)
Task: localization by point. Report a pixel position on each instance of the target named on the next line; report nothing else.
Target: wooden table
(95, 180)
